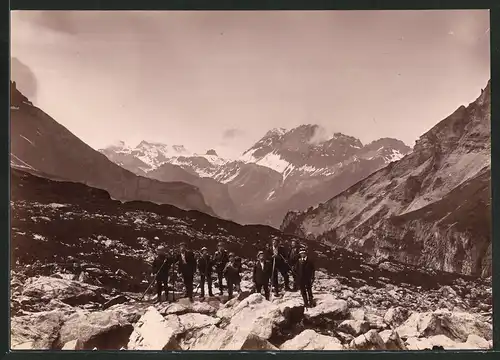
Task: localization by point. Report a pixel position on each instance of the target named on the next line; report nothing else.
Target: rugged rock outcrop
(251, 323)
(432, 208)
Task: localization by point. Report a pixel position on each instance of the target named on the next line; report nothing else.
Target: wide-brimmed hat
(220, 243)
(160, 248)
(203, 249)
(303, 251)
(260, 252)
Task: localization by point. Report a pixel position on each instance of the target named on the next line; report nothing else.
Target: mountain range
(432, 207)
(426, 206)
(284, 170)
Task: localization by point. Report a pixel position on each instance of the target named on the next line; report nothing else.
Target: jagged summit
(211, 152)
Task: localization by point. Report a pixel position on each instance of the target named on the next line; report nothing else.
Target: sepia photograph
(250, 180)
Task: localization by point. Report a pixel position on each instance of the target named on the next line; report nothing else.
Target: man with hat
(305, 273)
(261, 274)
(205, 267)
(293, 257)
(220, 260)
(187, 267)
(160, 269)
(279, 265)
(232, 275)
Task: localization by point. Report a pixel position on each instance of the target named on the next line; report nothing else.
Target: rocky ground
(59, 312)
(80, 262)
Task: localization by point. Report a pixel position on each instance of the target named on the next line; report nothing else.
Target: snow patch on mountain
(395, 156)
(274, 161)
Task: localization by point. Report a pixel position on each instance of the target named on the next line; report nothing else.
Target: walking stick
(286, 262)
(273, 286)
(173, 282)
(161, 267)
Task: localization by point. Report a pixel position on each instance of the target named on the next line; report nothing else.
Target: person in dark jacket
(220, 260)
(231, 273)
(262, 274)
(205, 267)
(186, 263)
(160, 268)
(239, 265)
(279, 265)
(305, 274)
(293, 257)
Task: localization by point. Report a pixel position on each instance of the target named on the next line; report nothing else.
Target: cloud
(321, 134)
(232, 133)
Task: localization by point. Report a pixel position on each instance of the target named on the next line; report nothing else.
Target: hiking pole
(173, 282)
(286, 262)
(154, 278)
(273, 286)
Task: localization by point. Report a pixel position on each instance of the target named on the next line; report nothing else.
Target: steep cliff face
(431, 207)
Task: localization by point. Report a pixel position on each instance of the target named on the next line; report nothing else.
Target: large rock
(396, 316)
(456, 326)
(131, 312)
(153, 332)
(311, 340)
(254, 314)
(369, 341)
(473, 342)
(392, 340)
(327, 307)
(354, 327)
(105, 330)
(193, 321)
(213, 338)
(70, 292)
(38, 331)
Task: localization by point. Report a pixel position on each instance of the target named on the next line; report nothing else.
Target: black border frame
(493, 5)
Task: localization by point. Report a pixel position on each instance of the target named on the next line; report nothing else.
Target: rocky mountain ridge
(40, 144)
(432, 207)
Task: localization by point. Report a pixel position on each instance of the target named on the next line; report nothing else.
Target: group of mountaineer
(270, 261)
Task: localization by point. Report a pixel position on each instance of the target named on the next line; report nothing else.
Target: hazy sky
(223, 79)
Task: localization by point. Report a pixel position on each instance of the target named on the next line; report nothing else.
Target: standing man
(293, 257)
(187, 267)
(160, 269)
(205, 267)
(262, 274)
(231, 273)
(305, 273)
(279, 265)
(220, 260)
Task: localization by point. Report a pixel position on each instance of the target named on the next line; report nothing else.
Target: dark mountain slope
(40, 143)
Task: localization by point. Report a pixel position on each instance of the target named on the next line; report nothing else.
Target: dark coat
(293, 255)
(305, 271)
(162, 271)
(280, 257)
(261, 275)
(220, 259)
(232, 273)
(189, 266)
(205, 265)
